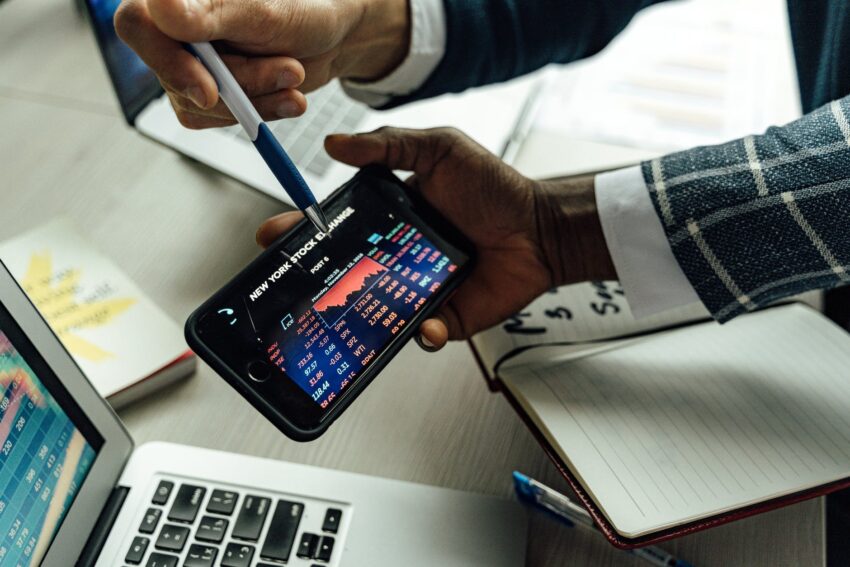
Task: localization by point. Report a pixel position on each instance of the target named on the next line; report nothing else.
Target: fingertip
(197, 95)
(288, 103)
(333, 140)
(293, 104)
(271, 229)
(292, 75)
(194, 121)
(433, 335)
(201, 83)
(202, 91)
(348, 148)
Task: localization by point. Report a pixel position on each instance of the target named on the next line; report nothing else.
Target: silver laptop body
(74, 491)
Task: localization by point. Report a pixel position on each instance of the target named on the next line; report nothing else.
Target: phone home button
(258, 371)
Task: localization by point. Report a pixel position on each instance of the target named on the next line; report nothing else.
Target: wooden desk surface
(180, 230)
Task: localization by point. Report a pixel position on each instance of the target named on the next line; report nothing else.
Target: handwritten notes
(578, 316)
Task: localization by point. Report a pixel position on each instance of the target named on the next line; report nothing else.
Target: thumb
(397, 148)
(199, 20)
(446, 325)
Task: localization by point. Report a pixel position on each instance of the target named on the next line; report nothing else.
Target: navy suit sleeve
(761, 218)
(489, 41)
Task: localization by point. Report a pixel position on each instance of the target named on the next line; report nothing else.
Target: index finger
(177, 69)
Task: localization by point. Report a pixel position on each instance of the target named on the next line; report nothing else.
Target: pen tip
(317, 217)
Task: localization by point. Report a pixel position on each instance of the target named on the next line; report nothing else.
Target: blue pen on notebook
(268, 146)
(541, 496)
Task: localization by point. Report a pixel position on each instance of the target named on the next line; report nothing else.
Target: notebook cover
(176, 370)
(622, 542)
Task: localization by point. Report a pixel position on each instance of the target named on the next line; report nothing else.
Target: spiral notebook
(673, 424)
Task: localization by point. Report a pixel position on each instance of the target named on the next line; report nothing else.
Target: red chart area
(349, 288)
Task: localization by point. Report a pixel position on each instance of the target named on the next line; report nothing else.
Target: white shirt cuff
(427, 47)
(649, 273)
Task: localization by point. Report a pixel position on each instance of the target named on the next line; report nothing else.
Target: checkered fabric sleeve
(761, 218)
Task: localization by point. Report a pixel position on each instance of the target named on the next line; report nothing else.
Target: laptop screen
(47, 447)
(134, 82)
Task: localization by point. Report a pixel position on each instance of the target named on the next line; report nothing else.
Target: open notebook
(667, 432)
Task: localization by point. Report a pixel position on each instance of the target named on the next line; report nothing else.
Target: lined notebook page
(701, 420)
(573, 314)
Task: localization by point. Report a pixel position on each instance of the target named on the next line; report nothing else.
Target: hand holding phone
(306, 326)
(528, 236)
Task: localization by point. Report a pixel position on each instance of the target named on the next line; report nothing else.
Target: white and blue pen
(268, 146)
(541, 496)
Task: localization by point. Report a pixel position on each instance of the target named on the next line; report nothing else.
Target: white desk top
(180, 230)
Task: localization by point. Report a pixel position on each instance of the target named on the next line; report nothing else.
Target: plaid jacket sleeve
(761, 218)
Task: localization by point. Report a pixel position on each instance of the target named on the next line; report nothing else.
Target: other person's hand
(530, 235)
(276, 49)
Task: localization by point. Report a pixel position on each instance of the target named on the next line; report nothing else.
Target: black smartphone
(308, 325)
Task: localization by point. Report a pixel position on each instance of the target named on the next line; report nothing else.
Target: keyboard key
(308, 545)
(162, 560)
(332, 519)
(163, 491)
(237, 555)
(150, 521)
(326, 548)
(222, 502)
(137, 550)
(172, 538)
(200, 556)
(186, 503)
(211, 529)
(251, 517)
(281, 534)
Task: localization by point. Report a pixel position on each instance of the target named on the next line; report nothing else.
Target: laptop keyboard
(194, 524)
(329, 110)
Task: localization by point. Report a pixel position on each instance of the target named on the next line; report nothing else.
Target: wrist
(379, 41)
(569, 231)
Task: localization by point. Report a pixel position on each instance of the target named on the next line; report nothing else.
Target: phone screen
(317, 310)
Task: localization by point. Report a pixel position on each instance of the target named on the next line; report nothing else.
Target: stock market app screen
(327, 305)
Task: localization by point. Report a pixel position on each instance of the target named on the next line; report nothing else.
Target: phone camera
(259, 371)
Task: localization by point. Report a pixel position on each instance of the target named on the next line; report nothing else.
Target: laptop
(491, 115)
(74, 491)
